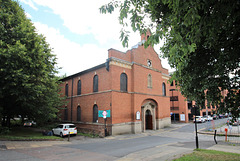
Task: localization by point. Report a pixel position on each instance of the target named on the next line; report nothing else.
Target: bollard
(226, 130)
(69, 136)
(215, 136)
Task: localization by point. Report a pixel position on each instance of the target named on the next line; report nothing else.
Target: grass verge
(21, 133)
(209, 155)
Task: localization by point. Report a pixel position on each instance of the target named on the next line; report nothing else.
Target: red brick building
(180, 106)
(132, 86)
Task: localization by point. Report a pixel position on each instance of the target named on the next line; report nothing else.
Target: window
(79, 88)
(66, 114)
(60, 126)
(171, 83)
(95, 83)
(70, 126)
(78, 113)
(149, 81)
(149, 63)
(95, 113)
(189, 103)
(164, 89)
(66, 90)
(123, 82)
(174, 98)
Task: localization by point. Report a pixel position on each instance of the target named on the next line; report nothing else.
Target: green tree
(201, 41)
(28, 83)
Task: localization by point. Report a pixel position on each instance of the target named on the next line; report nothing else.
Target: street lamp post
(196, 126)
(105, 126)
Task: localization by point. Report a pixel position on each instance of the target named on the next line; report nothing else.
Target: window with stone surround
(164, 89)
(79, 88)
(149, 81)
(123, 82)
(95, 113)
(66, 90)
(95, 83)
(78, 113)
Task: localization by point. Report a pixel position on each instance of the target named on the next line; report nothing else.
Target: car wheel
(61, 135)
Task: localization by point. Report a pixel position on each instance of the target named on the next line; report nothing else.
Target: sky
(78, 33)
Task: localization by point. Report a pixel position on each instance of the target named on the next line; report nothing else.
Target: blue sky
(79, 35)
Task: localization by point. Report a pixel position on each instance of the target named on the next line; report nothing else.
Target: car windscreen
(70, 126)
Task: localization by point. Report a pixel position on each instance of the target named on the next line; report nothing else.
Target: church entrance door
(148, 120)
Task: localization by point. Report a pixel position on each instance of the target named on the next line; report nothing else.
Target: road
(201, 126)
(163, 144)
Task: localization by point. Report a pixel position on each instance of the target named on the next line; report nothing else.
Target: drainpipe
(72, 100)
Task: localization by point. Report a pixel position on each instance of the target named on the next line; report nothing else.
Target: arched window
(164, 89)
(66, 113)
(66, 90)
(79, 88)
(95, 83)
(123, 82)
(95, 113)
(78, 113)
(149, 81)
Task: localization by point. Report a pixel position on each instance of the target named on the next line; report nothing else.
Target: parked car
(208, 118)
(199, 119)
(205, 118)
(236, 122)
(64, 130)
(226, 115)
(221, 116)
(215, 116)
(29, 123)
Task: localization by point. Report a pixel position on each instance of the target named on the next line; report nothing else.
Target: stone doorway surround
(151, 106)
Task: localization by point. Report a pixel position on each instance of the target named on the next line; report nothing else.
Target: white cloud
(28, 15)
(72, 56)
(83, 17)
(30, 3)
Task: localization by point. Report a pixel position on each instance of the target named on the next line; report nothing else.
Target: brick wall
(123, 105)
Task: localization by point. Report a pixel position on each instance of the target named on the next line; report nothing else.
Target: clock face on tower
(149, 63)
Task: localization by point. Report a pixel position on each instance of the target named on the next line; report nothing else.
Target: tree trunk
(8, 121)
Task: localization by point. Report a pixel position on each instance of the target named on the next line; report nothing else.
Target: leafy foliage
(28, 83)
(201, 41)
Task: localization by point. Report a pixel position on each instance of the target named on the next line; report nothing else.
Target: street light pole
(196, 127)
(105, 126)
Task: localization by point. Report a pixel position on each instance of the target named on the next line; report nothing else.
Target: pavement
(162, 152)
(173, 151)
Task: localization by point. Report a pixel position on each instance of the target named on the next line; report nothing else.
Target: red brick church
(131, 86)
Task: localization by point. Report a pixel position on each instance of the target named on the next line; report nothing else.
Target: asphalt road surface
(163, 144)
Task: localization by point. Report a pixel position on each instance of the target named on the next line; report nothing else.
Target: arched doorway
(148, 120)
(149, 107)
